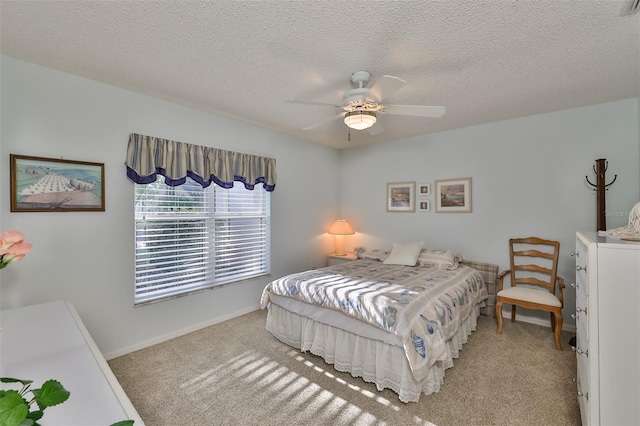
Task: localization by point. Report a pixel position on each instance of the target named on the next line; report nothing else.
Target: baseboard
(538, 321)
(177, 333)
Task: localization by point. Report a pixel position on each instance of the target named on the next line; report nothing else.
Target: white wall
(528, 179)
(88, 257)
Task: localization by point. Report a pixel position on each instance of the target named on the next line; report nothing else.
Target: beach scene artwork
(401, 196)
(42, 184)
(454, 195)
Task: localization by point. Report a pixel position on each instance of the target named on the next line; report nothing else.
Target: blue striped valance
(148, 156)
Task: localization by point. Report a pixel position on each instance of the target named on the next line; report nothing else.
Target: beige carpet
(237, 373)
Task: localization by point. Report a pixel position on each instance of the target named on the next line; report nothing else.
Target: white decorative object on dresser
(608, 329)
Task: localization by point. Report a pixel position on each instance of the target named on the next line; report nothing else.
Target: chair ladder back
(533, 266)
(529, 255)
(534, 253)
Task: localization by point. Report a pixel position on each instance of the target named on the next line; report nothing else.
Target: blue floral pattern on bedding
(424, 306)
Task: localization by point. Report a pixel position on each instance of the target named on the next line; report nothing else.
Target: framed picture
(41, 184)
(401, 197)
(423, 205)
(424, 189)
(453, 195)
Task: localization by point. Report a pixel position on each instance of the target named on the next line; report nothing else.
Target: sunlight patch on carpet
(367, 393)
(296, 390)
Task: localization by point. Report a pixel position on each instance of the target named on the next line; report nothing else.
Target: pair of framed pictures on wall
(451, 196)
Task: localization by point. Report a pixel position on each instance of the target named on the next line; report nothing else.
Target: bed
(394, 325)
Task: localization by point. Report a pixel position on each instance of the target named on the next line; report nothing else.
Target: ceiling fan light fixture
(360, 120)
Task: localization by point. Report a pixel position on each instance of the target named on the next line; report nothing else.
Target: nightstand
(334, 259)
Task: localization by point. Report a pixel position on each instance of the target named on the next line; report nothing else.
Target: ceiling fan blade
(294, 101)
(631, 7)
(384, 87)
(322, 123)
(415, 110)
(376, 129)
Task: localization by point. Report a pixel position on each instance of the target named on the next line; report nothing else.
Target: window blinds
(189, 238)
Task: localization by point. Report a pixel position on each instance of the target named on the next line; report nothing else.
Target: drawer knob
(581, 352)
(575, 253)
(585, 394)
(574, 316)
(580, 268)
(578, 310)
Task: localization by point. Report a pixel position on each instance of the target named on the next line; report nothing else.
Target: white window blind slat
(190, 238)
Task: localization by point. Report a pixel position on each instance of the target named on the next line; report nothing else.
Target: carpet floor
(237, 373)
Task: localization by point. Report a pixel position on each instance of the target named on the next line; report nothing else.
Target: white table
(336, 259)
(49, 341)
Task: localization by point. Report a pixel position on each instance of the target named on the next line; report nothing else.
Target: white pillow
(404, 254)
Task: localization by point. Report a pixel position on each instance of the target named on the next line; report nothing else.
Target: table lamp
(340, 229)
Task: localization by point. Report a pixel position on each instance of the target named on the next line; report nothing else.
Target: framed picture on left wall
(40, 184)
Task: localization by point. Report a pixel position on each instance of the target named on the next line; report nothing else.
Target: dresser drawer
(582, 388)
(582, 278)
(582, 268)
(582, 312)
(582, 332)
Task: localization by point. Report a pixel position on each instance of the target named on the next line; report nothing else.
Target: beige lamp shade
(340, 229)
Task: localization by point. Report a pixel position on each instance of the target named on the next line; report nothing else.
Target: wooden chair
(533, 272)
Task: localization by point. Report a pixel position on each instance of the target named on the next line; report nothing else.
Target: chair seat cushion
(530, 295)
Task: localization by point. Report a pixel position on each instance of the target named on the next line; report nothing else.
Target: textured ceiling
(483, 60)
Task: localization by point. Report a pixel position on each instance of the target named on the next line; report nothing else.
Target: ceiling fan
(361, 106)
(630, 8)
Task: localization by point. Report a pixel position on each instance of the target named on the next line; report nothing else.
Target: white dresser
(608, 329)
(49, 341)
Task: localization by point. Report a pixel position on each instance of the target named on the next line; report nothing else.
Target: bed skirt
(374, 361)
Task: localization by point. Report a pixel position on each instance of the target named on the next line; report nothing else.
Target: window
(190, 238)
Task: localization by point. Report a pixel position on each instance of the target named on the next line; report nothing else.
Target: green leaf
(10, 380)
(13, 408)
(51, 393)
(28, 422)
(35, 415)
(123, 423)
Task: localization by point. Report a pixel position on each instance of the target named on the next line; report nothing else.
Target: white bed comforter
(424, 306)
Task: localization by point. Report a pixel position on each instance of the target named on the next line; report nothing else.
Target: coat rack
(600, 168)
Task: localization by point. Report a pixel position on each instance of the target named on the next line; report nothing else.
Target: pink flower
(9, 237)
(12, 247)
